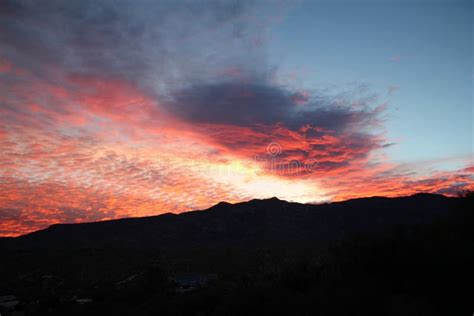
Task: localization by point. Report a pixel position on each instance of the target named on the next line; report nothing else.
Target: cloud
(388, 179)
(129, 108)
(244, 118)
(244, 104)
(157, 45)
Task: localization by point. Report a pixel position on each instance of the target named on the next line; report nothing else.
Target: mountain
(256, 222)
(371, 256)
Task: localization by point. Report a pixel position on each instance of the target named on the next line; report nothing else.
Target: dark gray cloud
(155, 44)
(204, 62)
(245, 104)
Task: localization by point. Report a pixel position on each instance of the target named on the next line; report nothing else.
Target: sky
(112, 109)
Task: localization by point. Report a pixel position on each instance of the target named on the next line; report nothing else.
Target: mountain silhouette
(256, 222)
(370, 256)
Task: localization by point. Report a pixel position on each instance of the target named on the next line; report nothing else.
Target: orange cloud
(100, 148)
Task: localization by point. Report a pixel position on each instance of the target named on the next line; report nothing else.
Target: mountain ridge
(225, 204)
(258, 221)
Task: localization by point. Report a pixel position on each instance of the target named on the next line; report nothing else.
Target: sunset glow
(111, 112)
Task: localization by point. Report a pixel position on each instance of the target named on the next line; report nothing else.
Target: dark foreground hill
(256, 222)
(376, 256)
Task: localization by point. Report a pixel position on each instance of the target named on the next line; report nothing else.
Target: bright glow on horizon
(174, 108)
